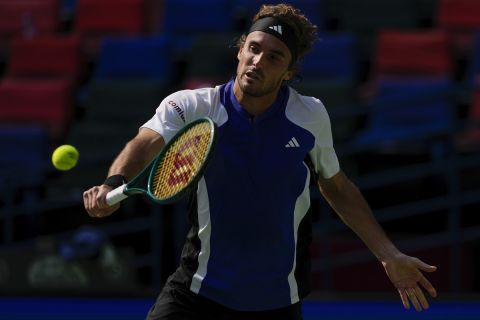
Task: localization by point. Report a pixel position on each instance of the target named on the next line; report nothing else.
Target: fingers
(421, 299)
(404, 297)
(412, 296)
(95, 202)
(425, 267)
(415, 296)
(428, 286)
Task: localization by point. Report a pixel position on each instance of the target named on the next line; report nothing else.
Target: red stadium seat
(413, 53)
(459, 14)
(54, 56)
(110, 16)
(38, 102)
(17, 15)
(461, 18)
(96, 19)
(26, 18)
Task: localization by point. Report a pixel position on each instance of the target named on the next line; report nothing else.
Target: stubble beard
(260, 91)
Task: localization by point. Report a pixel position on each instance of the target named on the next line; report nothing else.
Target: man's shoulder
(308, 105)
(197, 93)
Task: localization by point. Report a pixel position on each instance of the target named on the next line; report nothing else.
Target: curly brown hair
(305, 31)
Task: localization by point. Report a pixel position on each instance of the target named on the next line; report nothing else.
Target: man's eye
(254, 49)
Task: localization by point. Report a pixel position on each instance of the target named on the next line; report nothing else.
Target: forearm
(136, 155)
(350, 205)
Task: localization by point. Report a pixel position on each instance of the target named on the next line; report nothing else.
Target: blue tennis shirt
(247, 248)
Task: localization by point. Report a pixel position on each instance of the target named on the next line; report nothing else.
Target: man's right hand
(94, 200)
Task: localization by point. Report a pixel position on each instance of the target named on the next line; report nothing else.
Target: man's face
(263, 63)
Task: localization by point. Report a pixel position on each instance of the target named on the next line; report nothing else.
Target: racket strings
(182, 161)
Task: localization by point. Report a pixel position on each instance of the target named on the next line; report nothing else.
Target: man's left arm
(405, 272)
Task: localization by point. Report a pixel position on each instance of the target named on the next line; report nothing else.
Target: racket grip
(116, 195)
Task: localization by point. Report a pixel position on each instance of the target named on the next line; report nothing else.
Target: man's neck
(254, 105)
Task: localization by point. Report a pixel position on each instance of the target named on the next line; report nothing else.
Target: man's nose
(258, 59)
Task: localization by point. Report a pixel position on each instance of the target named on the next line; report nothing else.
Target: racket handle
(116, 195)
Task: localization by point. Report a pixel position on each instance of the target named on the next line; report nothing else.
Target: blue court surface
(130, 309)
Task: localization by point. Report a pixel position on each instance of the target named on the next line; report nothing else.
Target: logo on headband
(276, 28)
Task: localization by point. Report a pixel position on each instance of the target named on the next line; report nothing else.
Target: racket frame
(131, 188)
(199, 172)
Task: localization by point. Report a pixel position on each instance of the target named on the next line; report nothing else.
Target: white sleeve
(323, 154)
(310, 114)
(172, 114)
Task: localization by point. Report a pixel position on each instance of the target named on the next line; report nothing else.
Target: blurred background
(401, 82)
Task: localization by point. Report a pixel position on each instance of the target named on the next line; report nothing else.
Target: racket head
(182, 161)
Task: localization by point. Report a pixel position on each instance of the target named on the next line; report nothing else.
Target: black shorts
(176, 302)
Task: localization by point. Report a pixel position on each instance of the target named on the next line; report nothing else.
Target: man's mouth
(253, 75)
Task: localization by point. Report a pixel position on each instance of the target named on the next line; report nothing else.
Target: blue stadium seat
(408, 110)
(25, 159)
(134, 58)
(333, 57)
(189, 17)
(129, 78)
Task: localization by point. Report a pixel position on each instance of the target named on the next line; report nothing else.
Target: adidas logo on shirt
(293, 143)
(276, 28)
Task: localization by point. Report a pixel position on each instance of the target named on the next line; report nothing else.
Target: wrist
(390, 255)
(115, 181)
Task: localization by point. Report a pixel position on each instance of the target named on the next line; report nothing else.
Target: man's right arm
(132, 159)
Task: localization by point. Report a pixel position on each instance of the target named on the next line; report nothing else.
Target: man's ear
(289, 74)
(240, 48)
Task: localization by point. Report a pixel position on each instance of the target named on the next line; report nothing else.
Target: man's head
(300, 33)
(279, 37)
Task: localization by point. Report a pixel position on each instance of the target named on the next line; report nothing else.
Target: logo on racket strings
(184, 162)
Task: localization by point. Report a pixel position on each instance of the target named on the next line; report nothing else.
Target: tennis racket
(176, 168)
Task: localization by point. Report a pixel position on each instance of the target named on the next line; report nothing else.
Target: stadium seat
(408, 109)
(27, 156)
(366, 18)
(333, 57)
(54, 56)
(187, 17)
(26, 18)
(96, 19)
(461, 18)
(413, 53)
(129, 79)
(134, 58)
(37, 102)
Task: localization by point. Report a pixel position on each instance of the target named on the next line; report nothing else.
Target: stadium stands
(413, 53)
(125, 56)
(47, 103)
(95, 19)
(26, 18)
(408, 110)
(461, 18)
(54, 57)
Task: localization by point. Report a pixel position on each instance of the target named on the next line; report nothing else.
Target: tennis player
(246, 254)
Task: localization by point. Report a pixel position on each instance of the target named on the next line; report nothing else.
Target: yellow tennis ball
(65, 157)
